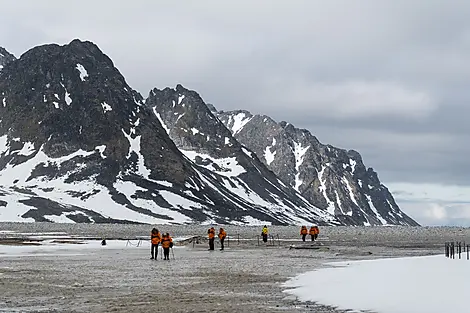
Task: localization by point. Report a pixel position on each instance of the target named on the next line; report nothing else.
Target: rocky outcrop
(5, 57)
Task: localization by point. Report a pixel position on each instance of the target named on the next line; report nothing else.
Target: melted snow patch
(106, 107)
(239, 121)
(225, 166)
(56, 104)
(4, 101)
(83, 71)
(195, 131)
(268, 155)
(160, 119)
(227, 140)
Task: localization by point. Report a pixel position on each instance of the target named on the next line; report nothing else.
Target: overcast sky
(386, 78)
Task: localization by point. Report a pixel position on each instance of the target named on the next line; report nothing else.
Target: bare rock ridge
(331, 178)
(78, 144)
(5, 57)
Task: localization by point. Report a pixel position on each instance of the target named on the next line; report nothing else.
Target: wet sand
(246, 277)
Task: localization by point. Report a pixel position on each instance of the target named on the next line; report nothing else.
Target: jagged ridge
(333, 179)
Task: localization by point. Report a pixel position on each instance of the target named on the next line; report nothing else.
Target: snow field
(401, 285)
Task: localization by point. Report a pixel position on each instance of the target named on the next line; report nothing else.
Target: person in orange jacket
(317, 232)
(155, 239)
(312, 232)
(222, 235)
(167, 243)
(303, 232)
(211, 235)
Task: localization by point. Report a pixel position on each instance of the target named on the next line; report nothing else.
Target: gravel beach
(246, 277)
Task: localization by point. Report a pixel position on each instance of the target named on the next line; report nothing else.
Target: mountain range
(78, 144)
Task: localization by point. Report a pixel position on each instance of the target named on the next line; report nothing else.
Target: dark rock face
(78, 144)
(5, 57)
(207, 142)
(333, 179)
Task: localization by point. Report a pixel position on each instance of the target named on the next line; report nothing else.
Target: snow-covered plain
(429, 284)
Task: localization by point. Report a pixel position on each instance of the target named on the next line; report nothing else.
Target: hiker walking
(317, 231)
(303, 232)
(211, 235)
(264, 233)
(167, 243)
(222, 235)
(155, 239)
(312, 232)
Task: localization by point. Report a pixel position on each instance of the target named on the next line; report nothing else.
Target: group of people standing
(165, 240)
(211, 234)
(314, 231)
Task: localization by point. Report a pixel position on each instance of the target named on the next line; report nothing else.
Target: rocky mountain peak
(5, 57)
(71, 97)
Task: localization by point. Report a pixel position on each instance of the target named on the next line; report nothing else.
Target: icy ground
(397, 285)
(246, 277)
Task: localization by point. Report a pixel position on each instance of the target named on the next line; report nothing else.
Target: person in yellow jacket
(303, 232)
(211, 236)
(264, 233)
(155, 239)
(167, 243)
(222, 235)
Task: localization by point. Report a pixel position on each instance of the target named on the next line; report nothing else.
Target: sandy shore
(246, 277)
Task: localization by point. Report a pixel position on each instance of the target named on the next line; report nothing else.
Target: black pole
(238, 235)
(258, 239)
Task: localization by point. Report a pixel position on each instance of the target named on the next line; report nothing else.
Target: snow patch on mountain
(322, 187)
(135, 148)
(83, 71)
(224, 166)
(299, 153)
(239, 121)
(160, 119)
(373, 208)
(268, 155)
(106, 107)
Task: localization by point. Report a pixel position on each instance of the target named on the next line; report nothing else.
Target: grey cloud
(272, 57)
